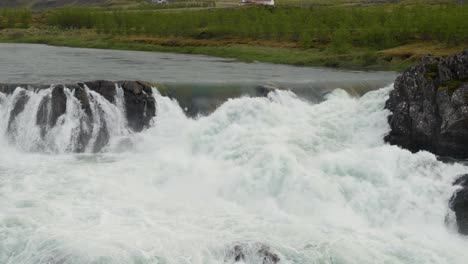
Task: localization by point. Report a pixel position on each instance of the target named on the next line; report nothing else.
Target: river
(305, 173)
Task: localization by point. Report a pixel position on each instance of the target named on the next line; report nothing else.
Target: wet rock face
(139, 106)
(86, 127)
(58, 104)
(20, 103)
(429, 107)
(253, 252)
(104, 88)
(459, 204)
(139, 103)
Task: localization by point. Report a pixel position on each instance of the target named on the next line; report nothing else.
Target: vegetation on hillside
(179, 4)
(15, 18)
(374, 27)
(336, 35)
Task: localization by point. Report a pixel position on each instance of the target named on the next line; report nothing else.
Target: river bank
(390, 37)
(395, 59)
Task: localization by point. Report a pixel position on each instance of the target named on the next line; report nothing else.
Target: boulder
(252, 251)
(82, 96)
(429, 107)
(263, 90)
(42, 115)
(22, 99)
(58, 104)
(86, 127)
(139, 104)
(104, 88)
(459, 204)
(103, 137)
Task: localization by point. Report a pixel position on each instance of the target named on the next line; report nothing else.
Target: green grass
(452, 85)
(358, 59)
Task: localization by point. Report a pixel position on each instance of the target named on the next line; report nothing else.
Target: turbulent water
(312, 180)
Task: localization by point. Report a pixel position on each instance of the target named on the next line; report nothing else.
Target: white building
(258, 2)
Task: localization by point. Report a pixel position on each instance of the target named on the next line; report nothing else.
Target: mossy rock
(432, 71)
(162, 89)
(465, 96)
(452, 85)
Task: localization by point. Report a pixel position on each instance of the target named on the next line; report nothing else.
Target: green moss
(432, 70)
(162, 89)
(452, 85)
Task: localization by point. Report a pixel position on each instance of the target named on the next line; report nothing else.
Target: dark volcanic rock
(58, 104)
(9, 88)
(244, 251)
(82, 96)
(104, 88)
(139, 104)
(429, 107)
(42, 115)
(86, 126)
(21, 100)
(459, 204)
(263, 90)
(51, 108)
(102, 138)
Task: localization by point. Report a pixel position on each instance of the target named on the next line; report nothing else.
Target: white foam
(313, 181)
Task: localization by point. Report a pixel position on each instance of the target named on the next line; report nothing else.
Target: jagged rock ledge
(429, 111)
(255, 252)
(140, 107)
(459, 203)
(429, 106)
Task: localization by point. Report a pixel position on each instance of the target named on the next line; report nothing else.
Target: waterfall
(260, 180)
(71, 118)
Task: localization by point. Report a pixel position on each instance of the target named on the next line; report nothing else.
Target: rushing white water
(315, 182)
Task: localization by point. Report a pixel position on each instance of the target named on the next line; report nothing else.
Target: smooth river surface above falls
(26, 63)
(312, 179)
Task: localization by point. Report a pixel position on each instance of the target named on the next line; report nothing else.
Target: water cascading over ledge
(80, 117)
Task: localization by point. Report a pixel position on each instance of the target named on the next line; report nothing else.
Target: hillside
(42, 4)
(354, 34)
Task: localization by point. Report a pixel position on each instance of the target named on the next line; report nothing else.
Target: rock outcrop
(21, 100)
(459, 204)
(254, 252)
(139, 104)
(429, 106)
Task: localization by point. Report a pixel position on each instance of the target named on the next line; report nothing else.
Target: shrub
(375, 27)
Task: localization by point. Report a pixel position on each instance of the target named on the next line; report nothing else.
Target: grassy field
(333, 33)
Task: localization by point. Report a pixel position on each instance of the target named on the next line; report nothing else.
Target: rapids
(311, 179)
